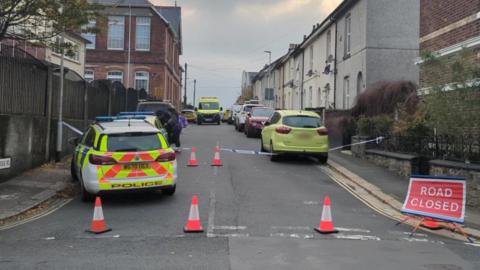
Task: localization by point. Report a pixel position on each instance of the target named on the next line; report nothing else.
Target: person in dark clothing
(171, 123)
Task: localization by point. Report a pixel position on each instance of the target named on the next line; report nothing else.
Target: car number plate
(304, 135)
(136, 166)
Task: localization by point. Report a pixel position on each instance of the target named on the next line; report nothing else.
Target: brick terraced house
(139, 45)
(446, 28)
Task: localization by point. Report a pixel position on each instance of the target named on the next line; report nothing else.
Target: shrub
(380, 125)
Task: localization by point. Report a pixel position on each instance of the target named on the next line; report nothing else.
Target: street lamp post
(60, 101)
(194, 90)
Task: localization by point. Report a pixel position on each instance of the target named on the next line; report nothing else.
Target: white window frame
(329, 45)
(58, 51)
(142, 75)
(311, 59)
(89, 75)
(346, 92)
(115, 77)
(348, 34)
(92, 37)
(139, 25)
(116, 21)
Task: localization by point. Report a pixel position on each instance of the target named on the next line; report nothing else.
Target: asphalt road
(257, 215)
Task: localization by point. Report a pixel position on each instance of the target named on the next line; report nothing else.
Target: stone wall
(401, 164)
(470, 172)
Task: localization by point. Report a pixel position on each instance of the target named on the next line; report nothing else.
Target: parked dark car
(167, 114)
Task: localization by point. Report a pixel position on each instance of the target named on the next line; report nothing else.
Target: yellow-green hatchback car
(295, 132)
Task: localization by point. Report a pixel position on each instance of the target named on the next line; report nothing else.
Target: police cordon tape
(72, 128)
(377, 140)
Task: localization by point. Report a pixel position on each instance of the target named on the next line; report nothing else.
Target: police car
(123, 153)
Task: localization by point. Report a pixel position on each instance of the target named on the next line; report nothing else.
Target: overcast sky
(221, 38)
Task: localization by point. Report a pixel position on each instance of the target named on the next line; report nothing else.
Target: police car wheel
(169, 191)
(73, 170)
(84, 195)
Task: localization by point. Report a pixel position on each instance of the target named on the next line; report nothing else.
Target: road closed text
(440, 198)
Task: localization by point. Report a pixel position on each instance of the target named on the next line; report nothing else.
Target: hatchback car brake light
(169, 156)
(283, 130)
(322, 131)
(101, 160)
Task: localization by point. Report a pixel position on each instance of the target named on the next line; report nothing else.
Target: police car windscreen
(208, 106)
(301, 121)
(133, 142)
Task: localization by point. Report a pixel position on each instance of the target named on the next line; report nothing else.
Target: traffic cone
(326, 222)
(431, 224)
(193, 162)
(194, 225)
(216, 159)
(98, 223)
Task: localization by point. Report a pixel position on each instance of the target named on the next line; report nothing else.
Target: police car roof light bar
(131, 117)
(136, 113)
(105, 118)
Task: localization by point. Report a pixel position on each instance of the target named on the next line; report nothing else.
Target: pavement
(26, 191)
(390, 183)
(257, 214)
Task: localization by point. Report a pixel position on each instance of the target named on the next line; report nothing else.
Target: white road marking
(413, 239)
(292, 235)
(352, 230)
(311, 203)
(357, 237)
(408, 233)
(474, 244)
(99, 236)
(49, 238)
(228, 235)
(231, 228)
(291, 228)
(211, 214)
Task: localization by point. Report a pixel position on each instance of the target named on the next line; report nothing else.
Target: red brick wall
(452, 37)
(161, 61)
(436, 14)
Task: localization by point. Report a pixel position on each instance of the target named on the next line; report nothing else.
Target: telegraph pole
(194, 91)
(185, 87)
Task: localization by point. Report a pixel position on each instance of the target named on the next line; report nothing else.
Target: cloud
(276, 9)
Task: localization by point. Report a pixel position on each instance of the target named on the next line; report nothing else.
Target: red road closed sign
(437, 197)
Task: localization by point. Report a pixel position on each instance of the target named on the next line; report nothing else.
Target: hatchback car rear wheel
(84, 195)
(273, 156)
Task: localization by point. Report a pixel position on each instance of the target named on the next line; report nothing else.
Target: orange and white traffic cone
(193, 162)
(98, 223)
(194, 225)
(326, 222)
(216, 159)
(431, 224)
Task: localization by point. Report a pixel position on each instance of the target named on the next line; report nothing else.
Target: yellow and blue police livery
(123, 153)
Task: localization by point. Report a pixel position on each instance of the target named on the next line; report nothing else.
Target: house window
(115, 76)
(142, 41)
(310, 66)
(346, 92)
(329, 41)
(70, 48)
(359, 83)
(89, 75)
(116, 32)
(90, 36)
(269, 94)
(141, 80)
(310, 97)
(348, 28)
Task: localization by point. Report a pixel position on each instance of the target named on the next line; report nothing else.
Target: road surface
(257, 215)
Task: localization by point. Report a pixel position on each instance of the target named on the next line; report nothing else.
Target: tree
(38, 21)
